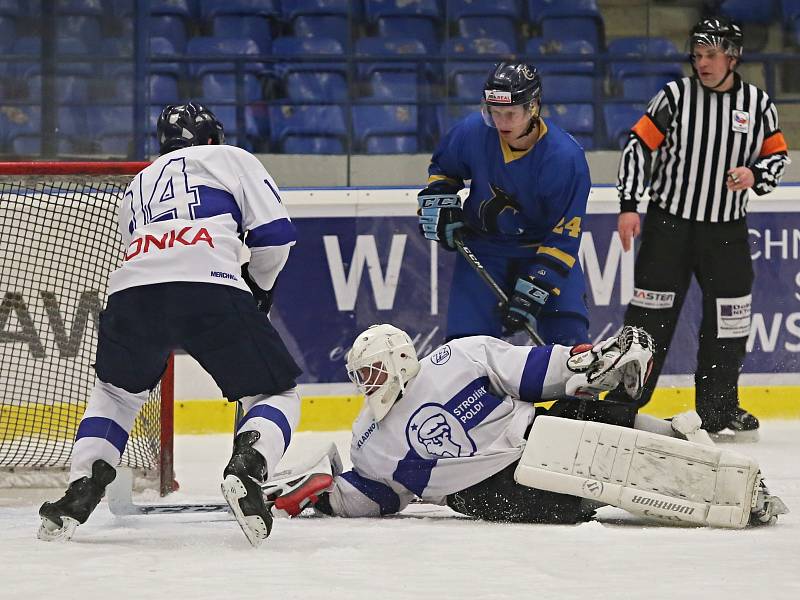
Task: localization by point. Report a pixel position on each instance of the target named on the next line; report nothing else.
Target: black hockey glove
(525, 304)
(263, 298)
(440, 215)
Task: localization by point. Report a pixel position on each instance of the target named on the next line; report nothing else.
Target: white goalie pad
(655, 476)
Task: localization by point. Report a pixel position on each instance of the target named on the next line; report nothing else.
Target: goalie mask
(717, 32)
(184, 125)
(514, 86)
(381, 362)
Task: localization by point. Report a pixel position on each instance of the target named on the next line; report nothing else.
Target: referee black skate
(703, 143)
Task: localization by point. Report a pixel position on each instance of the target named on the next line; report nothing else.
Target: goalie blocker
(655, 476)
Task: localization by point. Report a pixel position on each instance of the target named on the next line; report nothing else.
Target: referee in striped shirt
(702, 144)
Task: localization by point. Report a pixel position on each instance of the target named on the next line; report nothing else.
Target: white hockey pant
(275, 418)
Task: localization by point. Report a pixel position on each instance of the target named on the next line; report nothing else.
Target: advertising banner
(360, 260)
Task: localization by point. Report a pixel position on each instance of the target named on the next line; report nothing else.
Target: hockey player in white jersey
(184, 220)
(457, 427)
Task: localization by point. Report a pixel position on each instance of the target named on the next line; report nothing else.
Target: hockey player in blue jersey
(184, 220)
(459, 427)
(523, 215)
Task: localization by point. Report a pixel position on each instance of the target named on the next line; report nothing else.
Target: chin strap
(531, 125)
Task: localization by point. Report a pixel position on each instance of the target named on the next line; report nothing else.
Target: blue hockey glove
(263, 298)
(440, 216)
(525, 304)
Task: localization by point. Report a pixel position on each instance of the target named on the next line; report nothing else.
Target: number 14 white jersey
(183, 218)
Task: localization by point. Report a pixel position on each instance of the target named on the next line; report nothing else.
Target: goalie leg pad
(655, 476)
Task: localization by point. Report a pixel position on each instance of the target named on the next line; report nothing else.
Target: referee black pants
(718, 256)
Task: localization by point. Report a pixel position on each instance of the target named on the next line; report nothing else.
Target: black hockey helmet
(512, 83)
(184, 125)
(720, 32)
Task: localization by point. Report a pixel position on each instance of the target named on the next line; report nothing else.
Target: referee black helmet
(720, 32)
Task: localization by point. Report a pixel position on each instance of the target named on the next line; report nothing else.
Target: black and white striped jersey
(688, 140)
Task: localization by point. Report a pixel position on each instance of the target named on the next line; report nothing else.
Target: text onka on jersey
(183, 236)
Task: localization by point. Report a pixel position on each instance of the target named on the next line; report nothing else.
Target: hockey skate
(742, 427)
(241, 488)
(767, 507)
(62, 517)
(625, 358)
(292, 497)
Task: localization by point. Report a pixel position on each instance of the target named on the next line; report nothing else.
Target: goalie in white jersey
(457, 427)
(184, 220)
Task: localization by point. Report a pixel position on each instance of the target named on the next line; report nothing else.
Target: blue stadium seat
(11, 8)
(499, 28)
(8, 33)
(455, 9)
(568, 87)
(246, 137)
(296, 8)
(70, 89)
(309, 144)
(391, 144)
(254, 27)
(86, 28)
(448, 115)
(641, 88)
(316, 87)
(571, 19)
(377, 9)
(221, 87)
(419, 20)
(185, 9)
(551, 50)
(27, 121)
(302, 47)
(383, 120)
(416, 28)
(790, 10)
(222, 47)
(113, 129)
(644, 51)
(455, 49)
(172, 28)
(325, 26)
(394, 86)
(619, 119)
(577, 119)
(389, 47)
(31, 145)
(747, 11)
(305, 121)
(469, 85)
(33, 46)
(263, 8)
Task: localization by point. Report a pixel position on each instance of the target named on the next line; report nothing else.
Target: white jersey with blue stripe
(462, 419)
(183, 218)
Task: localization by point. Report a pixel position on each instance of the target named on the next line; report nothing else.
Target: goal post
(59, 242)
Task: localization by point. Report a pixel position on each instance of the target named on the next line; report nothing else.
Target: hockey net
(58, 244)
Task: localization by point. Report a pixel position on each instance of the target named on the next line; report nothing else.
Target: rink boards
(360, 260)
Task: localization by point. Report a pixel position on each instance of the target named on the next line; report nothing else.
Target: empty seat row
(297, 129)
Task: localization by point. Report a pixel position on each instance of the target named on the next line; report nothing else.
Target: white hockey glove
(625, 358)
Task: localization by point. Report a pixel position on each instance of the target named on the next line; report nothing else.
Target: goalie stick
(473, 261)
(120, 491)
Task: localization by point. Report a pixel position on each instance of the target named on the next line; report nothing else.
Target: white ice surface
(426, 552)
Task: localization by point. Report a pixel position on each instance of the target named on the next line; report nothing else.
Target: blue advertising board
(360, 260)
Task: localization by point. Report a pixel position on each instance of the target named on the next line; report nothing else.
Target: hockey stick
(120, 492)
(473, 261)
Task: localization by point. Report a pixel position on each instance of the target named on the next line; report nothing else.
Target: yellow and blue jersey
(521, 204)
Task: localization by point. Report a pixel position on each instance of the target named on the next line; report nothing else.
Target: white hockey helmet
(381, 362)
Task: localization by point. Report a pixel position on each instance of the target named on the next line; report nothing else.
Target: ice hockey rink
(425, 552)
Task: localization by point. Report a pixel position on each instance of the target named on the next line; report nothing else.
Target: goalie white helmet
(381, 362)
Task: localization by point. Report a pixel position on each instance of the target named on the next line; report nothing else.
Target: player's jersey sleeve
(354, 495)
(773, 158)
(646, 136)
(450, 162)
(269, 231)
(566, 184)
